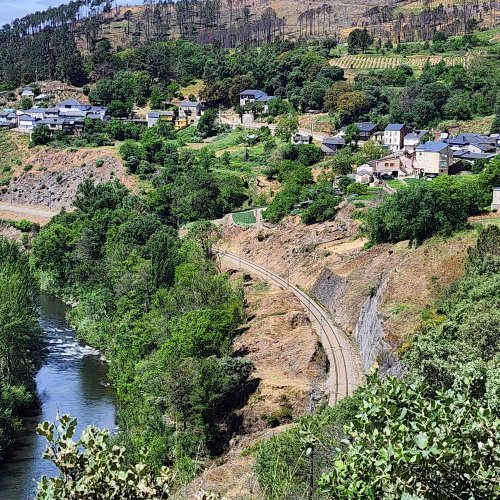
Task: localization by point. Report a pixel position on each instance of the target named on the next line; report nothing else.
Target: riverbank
(72, 380)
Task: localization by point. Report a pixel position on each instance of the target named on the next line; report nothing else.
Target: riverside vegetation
(21, 341)
(164, 317)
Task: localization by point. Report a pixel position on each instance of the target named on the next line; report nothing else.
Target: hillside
(405, 20)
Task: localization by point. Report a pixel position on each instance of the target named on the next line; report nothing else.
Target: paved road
(344, 375)
(317, 136)
(28, 211)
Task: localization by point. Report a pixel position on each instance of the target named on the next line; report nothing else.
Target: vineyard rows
(361, 62)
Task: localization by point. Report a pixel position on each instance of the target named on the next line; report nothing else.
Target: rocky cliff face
(51, 176)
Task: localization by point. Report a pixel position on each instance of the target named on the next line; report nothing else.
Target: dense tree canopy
(21, 344)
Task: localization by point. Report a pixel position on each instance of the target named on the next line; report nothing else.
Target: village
(411, 153)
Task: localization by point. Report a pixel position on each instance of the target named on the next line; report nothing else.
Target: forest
(161, 313)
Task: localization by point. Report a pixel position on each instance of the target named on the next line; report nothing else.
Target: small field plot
(246, 218)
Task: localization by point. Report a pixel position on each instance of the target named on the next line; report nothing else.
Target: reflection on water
(71, 381)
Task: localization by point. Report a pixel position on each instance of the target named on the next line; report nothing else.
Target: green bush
(282, 203)
(357, 188)
(406, 441)
(322, 209)
(427, 208)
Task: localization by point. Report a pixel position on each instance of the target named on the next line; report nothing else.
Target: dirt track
(32, 213)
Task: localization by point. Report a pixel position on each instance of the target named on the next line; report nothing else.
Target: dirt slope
(379, 296)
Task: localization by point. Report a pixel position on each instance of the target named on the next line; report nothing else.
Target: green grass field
(244, 218)
(412, 181)
(395, 184)
(373, 194)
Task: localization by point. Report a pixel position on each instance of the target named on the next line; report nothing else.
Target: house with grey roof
(366, 130)
(37, 113)
(52, 123)
(28, 92)
(5, 123)
(412, 140)
(12, 118)
(192, 110)
(301, 139)
(433, 158)
(394, 135)
(249, 96)
(26, 123)
(331, 145)
(153, 117)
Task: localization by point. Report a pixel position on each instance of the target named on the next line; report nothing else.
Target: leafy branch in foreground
(406, 441)
(93, 467)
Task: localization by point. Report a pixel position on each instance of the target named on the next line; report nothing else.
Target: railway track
(344, 374)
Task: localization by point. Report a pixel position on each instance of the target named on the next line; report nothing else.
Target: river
(72, 381)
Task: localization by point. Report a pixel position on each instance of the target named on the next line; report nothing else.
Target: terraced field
(362, 62)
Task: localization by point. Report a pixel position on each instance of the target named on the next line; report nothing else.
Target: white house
(37, 113)
(249, 96)
(394, 135)
(27, 92)
(495, 205)
(433, 158)
(98, 113)
(364, 174)
(73, 107)
(26, 123)
(301, 139)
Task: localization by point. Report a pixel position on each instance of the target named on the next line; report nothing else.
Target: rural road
(317, 136)
(31, 212)
(344, 375)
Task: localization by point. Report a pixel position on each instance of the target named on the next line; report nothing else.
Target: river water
(71, 381)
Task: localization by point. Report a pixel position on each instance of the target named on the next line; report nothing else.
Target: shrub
(94, 467)
(320, 210)
(357, 188)
(427, 208)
